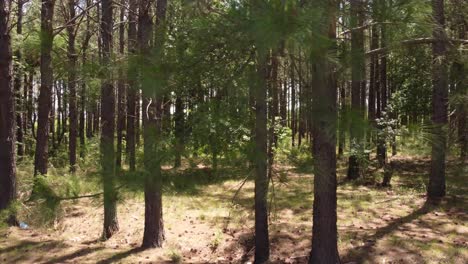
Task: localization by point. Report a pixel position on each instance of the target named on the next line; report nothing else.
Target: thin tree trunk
(56, 95)
(342, 123)
(436, 187)
(72, 57)
(138, 118)
(381, 142)
(293, 104)
(30, 101)
(85, 114)
(111, 225)
(373, 80)
(301, 102)
(179, 130)
(45, 93)
(132, 88)
(357, 75)
(17, 85)
(96, 117)
(121, 89)
(460, 89)
(273, 113)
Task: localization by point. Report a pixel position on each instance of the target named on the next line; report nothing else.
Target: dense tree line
(178, 80)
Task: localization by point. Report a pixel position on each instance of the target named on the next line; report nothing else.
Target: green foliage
(301, 157)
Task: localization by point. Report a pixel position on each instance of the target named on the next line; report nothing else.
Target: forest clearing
(206, 222)
(233, 131)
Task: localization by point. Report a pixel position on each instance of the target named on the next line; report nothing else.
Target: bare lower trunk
(357, 75)
(72, 56)
(121, 90)
(17, 86)
(45, 92)
(262, 244)
(324, 232)
(153, 235)
(179, 131)
(132, 87)
(108, 128)
(436, 187)
(7, 115)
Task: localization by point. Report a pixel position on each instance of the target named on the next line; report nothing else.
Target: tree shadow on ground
(22, 245)
(76, 254)
(361, 253)
(121, 255)
(19, 252)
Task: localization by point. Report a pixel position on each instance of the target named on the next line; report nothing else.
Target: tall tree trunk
(132, 87)
(45, 93)
(324, 232)
(138, 118)
(273, 113)
(283, 102)
(262, 244)
(381, 142)
(460, 90)
(17, 85)
(7, 114)
(301, 102)
(153, 235)
(25, 109)
(293, 103)
(179, 132)
(111, 225)
(85, 114)
(357, 76)
(72, 57)
(436, 187)
(30, 101)
(373, 80)
(56, 95)
(342, 120)
(121, 89)
(96, 117)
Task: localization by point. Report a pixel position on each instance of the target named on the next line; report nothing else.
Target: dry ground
(204, 224)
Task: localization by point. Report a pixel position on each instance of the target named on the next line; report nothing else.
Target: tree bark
(459, 68)
(342, 120)
(132, 88)
(72, 57)
(293, 104)
(436, 187)
(273, 110)
(357, 76)
(179, 120)
(111, 225)
(85, 114)
(17, 86)
(373, 80)
(45, 92)
(324, 231)
(262, 244)
(381, 142)
(121, 89)
(153, 235)
(7, 114)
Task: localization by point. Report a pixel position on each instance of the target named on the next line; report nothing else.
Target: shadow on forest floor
(209, 219)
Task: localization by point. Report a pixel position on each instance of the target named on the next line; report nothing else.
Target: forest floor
(210, 221)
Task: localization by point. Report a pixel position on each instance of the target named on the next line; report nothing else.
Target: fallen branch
(415, 42)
